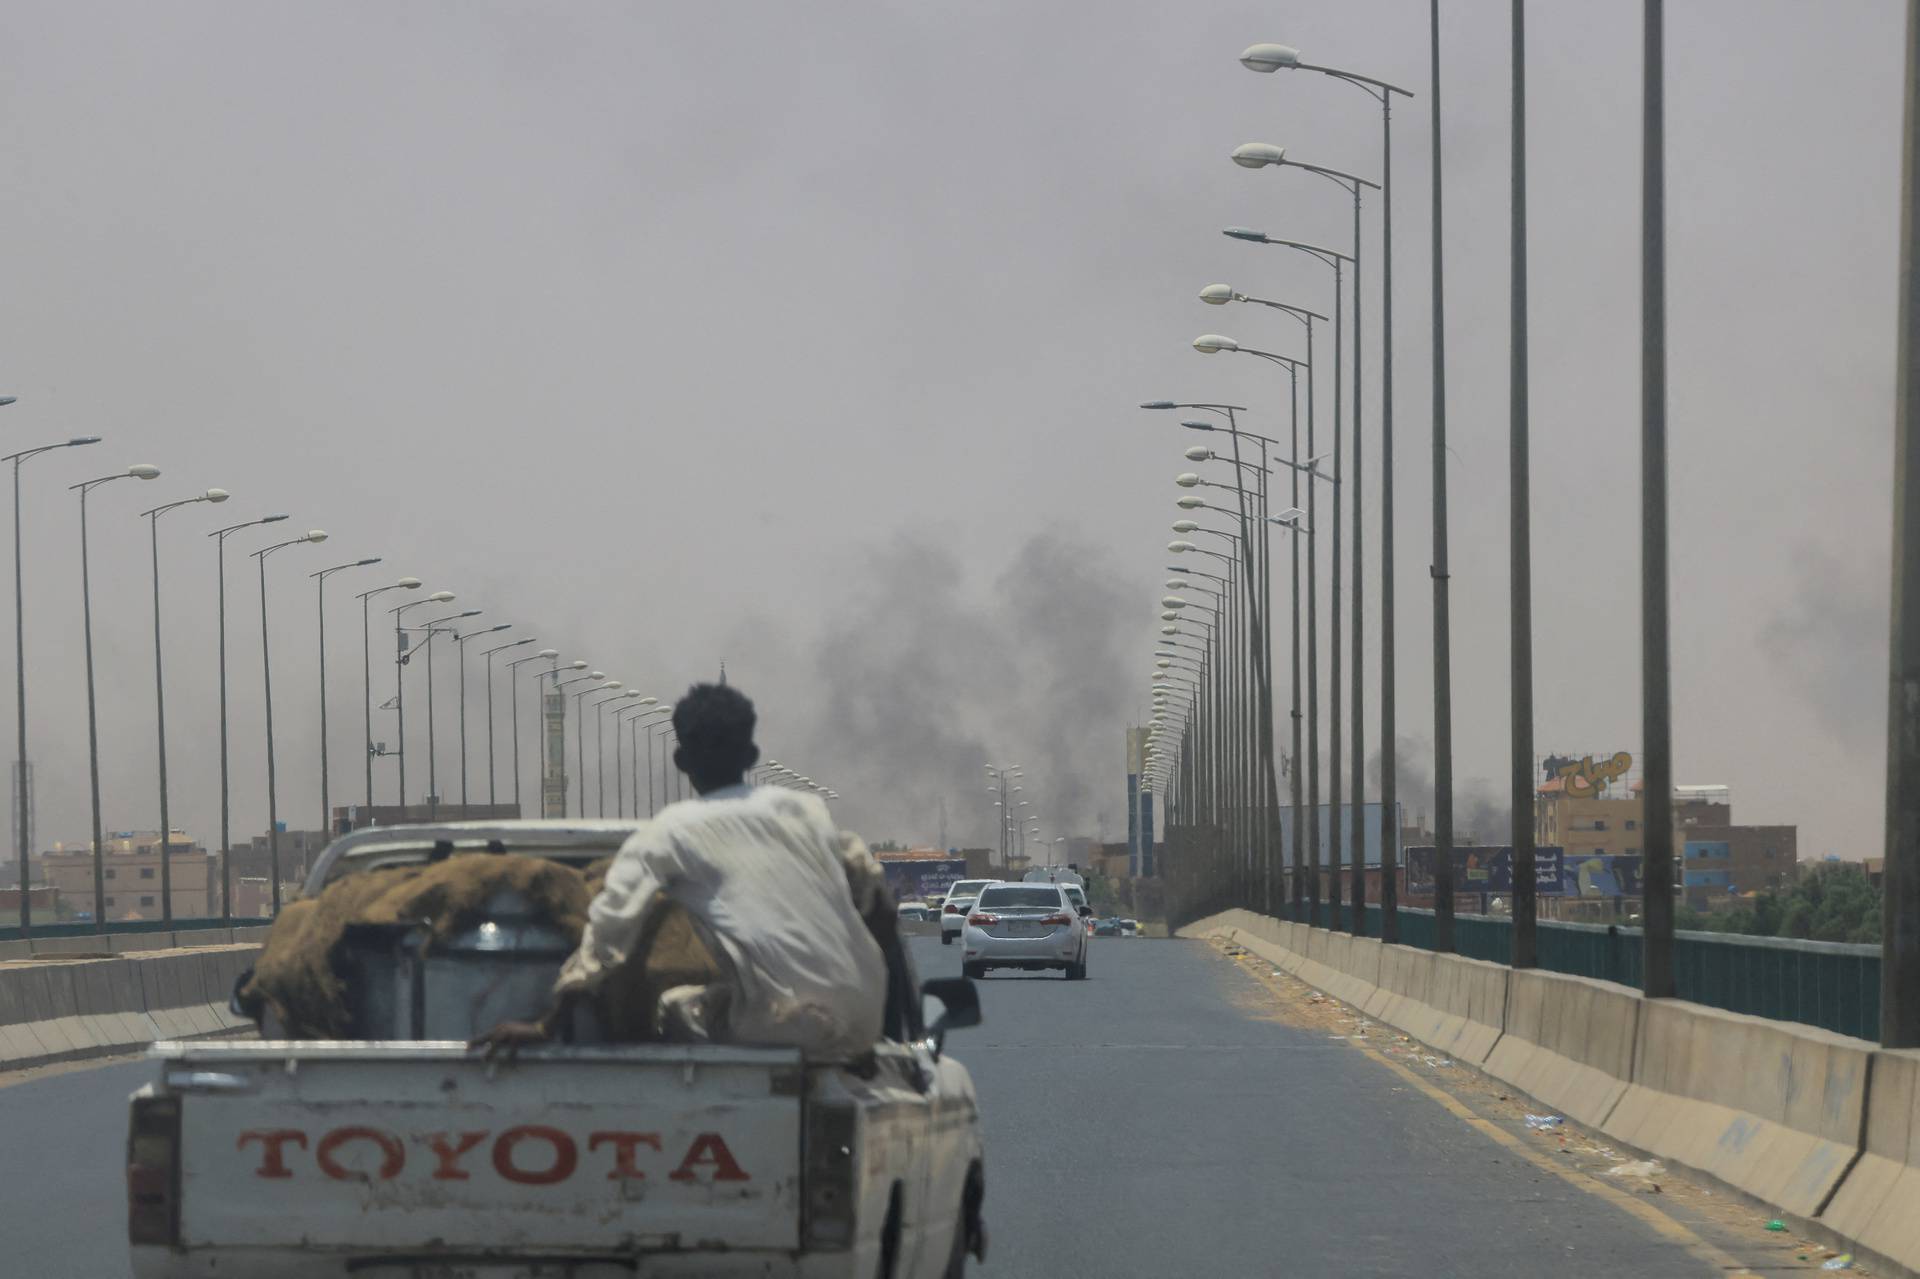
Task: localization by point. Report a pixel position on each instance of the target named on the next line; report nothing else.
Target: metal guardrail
(44, 931)
(1832, 985)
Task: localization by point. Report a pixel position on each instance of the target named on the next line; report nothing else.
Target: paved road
(1143, 1122)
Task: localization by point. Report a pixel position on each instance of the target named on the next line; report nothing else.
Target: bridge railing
(1833, 985)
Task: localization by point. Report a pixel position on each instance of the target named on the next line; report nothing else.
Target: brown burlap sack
(298, 978)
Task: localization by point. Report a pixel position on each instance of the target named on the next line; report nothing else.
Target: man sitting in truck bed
(770, 883)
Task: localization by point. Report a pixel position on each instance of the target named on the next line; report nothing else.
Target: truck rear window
(1003, 898)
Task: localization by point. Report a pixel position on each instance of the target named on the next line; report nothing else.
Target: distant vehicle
(918, 912)
(412, 1157)
(1078, 896)
(1108, 927)
(1025, 926)
(1129, 928)
(953, 911)
(1054, 875)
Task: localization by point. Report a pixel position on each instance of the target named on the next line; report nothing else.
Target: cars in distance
(917, 912)
(399, 1152)
(1029, 926)
(953, 910)
(1108, 927)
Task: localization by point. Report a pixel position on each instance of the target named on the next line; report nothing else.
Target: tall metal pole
(20, 678)
(326, 797)
(1389, 798)
(1656, 706)
(400, 702)
(1900, 935)
(273, 789)
(1299, 814)
(1356, 829)
(93, 732)
(460, 642)
(1312, 828)
(433, 770)
(226, 793)
(1442, 625)
(160, 715)
(1520, 551)
(1336, 863)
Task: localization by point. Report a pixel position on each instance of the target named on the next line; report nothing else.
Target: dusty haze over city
(807, 338)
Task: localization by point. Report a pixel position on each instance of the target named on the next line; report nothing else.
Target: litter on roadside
(1640, 1169)
(1437, 1062)
(1546, 1123)
(1842, 1262)
(1776, 1225)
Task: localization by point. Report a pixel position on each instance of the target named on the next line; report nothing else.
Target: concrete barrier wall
(1773, 1108)
(1822, 1126)
(1568, 1041)
(56, 1009)
(1876, 1202)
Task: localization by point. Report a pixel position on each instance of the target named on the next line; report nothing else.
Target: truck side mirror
(959, 1006)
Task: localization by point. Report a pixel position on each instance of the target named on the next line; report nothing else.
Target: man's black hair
(714, 723)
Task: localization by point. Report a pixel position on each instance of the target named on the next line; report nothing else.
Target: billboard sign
(1486, 868)
(925, 879)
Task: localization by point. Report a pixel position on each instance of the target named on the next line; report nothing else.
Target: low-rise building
(131, 881)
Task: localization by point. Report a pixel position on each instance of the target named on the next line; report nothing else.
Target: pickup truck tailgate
(394, 1148)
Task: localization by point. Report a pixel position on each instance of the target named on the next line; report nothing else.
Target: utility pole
(1442, 625)
(1656, 698)
(1520, 550)
(1900, 937)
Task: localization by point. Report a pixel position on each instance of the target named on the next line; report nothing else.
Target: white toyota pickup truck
(406, 1156)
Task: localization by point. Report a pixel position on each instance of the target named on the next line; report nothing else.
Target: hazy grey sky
(807, 337)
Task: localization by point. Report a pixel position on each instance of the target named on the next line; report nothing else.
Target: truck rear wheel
(946, 939)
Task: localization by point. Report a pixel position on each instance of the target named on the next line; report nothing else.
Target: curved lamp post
(432, 628)
(160, 700)
(137, 472)
(21, 808)
(460, 642)
(492, 772)
(401, 653)
(1268, 58)
(513, 694)
(320, 590)
(266, 668)
(366, 662)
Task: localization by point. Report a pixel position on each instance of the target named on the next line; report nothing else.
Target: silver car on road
(1025, 926)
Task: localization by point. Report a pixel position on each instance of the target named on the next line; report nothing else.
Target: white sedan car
(953, 910)
(1025, 926)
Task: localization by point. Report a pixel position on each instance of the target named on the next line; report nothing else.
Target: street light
(460, 642)
(599, 749)
(580, 732)
(366, 662)
(266, 670)
(226, 808)
(21, 807)
(492, 795)
(160, 704)
(513, 692)
(320, 603)
(137, 472)
(400, 654)
(433, 628)
(638, 700)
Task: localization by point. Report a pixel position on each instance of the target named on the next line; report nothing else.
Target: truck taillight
(981, 919)
(828, 1176)
(153, 1171)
